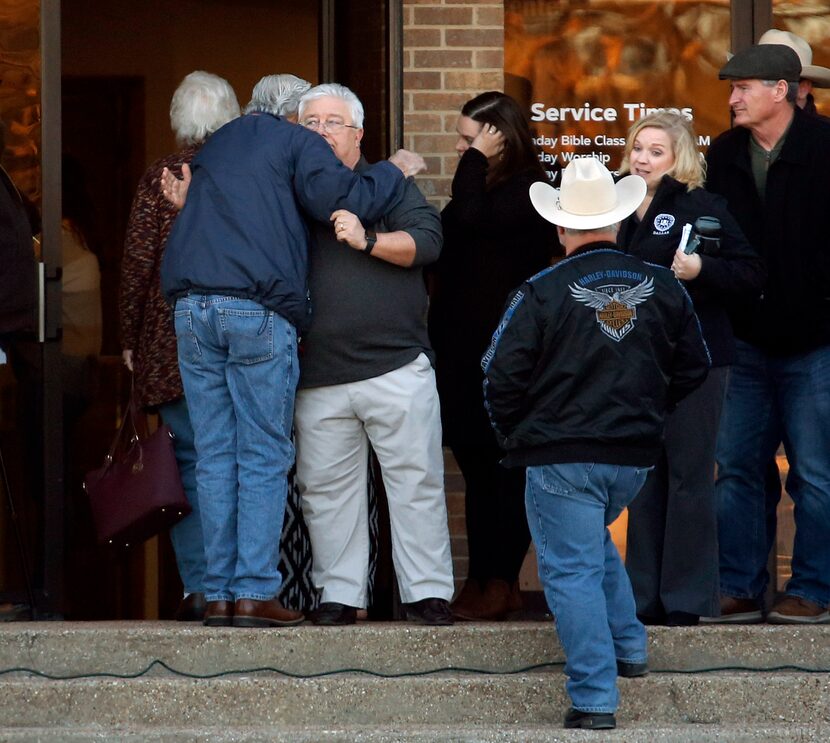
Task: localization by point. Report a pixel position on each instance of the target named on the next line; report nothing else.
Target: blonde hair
(688, 166)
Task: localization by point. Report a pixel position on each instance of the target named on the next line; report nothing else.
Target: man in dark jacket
(236, 267)
(812, 76)
(587, 359)
(18, 294)
(774, 170)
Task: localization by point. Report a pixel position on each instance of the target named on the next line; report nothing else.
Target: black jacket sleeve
(510, 362)
(737, 271)
(691, 357)
(18, 295)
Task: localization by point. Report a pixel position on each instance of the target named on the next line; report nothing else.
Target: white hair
(335, 90)
(278, 95)
(201, 104)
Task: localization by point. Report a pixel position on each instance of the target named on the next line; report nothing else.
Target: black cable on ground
(447, 669)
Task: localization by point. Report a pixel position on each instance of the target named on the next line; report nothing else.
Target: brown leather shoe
(253, 613)
(218, 614)
(796, 610)
(736, 611)
(492, 604)
(468, 599)
(191, 608)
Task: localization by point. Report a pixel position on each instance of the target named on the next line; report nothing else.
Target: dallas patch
(615, 305)
(663, 223)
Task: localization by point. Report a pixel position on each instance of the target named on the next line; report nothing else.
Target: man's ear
(781, 90)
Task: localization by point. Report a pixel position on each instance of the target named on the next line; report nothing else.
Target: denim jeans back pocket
(186, 341)
(249, 333)
(564, 479)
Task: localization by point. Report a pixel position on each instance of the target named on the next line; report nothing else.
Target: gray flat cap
(763, 62)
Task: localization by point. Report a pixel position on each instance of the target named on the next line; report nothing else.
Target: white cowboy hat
(819, 76)
(588, 198)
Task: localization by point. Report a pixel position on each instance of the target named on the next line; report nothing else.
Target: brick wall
(453, 50)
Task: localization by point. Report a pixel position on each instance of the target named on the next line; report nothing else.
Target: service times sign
(602, 146)
(586, 71)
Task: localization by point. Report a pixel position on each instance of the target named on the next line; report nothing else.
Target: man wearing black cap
(774, 170)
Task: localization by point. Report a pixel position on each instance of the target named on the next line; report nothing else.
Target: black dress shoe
(332, 614)
(590, 720)
(631, 670)
(681, 619)
(218, 614)
(191, 608)
(651, 620)
(429, 611)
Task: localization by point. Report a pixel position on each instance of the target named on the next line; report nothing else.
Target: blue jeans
(769, 400)
(569, 507)
(186, 536)
(238, 362)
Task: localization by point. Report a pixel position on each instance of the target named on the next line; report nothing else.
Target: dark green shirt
(761, 160)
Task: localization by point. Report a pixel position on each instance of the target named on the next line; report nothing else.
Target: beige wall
(241, 40)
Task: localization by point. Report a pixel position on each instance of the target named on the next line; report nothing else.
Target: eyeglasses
(330, 126)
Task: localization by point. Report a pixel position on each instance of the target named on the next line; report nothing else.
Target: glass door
(31, 416)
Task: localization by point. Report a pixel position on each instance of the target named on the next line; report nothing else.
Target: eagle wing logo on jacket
(615, 305)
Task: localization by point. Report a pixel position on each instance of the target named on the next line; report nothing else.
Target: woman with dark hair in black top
(493, 240)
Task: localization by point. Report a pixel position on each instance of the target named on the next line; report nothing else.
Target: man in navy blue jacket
(235, 266)
(582, 368)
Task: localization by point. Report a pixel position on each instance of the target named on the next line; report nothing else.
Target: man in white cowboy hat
(586, 361)
(812, 76)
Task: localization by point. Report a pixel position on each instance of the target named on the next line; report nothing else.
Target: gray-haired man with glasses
(235, 266)
(366, 377)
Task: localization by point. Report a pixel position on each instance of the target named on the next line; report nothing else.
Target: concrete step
(445, 699)
(424, 687)
(66, 648)
(699, 733)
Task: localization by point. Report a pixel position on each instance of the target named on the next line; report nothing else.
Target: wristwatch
(371, 239)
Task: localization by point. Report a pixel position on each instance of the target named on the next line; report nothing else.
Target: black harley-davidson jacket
(588, 358)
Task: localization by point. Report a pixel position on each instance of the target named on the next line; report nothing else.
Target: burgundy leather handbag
(137, 493)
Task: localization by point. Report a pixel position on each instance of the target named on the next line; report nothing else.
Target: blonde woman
(672, 552)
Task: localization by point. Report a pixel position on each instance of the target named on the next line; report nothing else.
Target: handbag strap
(128, 424)
(141, 428)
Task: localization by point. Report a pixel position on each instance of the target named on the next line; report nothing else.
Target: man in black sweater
(366, 377)
(588, 357)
